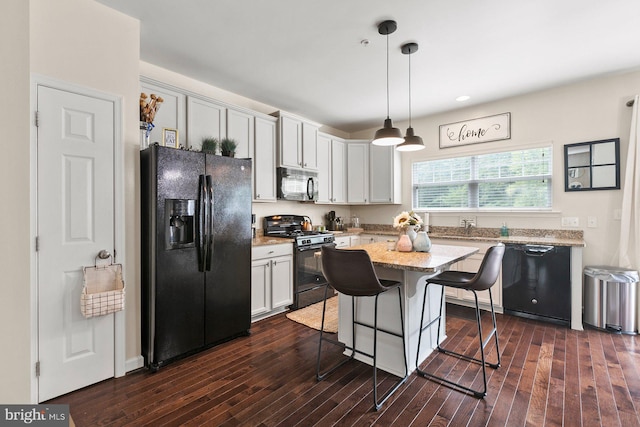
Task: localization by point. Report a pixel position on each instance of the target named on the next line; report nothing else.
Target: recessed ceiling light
(463, 98)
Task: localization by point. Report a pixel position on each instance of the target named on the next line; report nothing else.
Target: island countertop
(440, 257)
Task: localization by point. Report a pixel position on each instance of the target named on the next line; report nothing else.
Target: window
(508, 180)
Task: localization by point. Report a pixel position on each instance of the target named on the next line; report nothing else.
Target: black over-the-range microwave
(297, 184)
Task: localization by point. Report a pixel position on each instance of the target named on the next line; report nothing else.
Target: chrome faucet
(468, 225)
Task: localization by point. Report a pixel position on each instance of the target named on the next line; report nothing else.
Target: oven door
(309, 280)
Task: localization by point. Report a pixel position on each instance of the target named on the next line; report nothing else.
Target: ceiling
(311, 58)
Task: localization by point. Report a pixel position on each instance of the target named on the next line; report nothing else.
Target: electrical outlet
(592, 221)
(570, 221)
(468, 219)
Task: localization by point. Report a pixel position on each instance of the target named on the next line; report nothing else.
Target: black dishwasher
(536, 282)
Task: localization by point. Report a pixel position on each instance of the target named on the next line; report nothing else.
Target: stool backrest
(489, 270)
(350, 271)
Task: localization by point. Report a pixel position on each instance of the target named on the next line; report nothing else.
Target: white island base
(390, 353)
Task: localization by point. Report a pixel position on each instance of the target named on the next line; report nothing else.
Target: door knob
(104, 254)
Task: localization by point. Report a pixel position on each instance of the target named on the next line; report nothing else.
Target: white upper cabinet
(264, 162)
(358, 172)
(240, 128)
(297, 143)
(324, 168)
(205, 119)
(309, 146)
(171, 114)
(384, 178)
(338, 171)
(290, 143)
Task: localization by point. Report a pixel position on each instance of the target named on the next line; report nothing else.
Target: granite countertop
(516, 236)
(438, 258)
(262, 240)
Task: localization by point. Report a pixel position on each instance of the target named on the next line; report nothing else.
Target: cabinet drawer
(269, 251)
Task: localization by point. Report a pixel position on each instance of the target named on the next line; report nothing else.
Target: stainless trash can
(609, 298)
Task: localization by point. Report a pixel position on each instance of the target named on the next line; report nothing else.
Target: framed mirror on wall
(593, 165)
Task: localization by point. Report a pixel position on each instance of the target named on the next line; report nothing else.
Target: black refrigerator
(195, 251)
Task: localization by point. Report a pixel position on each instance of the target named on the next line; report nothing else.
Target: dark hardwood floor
(550, 375)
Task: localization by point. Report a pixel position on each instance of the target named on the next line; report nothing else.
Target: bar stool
(484, 279)
(351, 272)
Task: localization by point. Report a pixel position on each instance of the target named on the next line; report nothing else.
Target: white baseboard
(134, 363)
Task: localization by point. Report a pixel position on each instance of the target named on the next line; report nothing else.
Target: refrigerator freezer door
(228, 285)
(172, 286)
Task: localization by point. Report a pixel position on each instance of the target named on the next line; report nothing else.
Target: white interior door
(75, 220)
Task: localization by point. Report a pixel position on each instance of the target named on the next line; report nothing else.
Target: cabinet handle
(305, 165)
(270, 252)
(257, 196)
(275, 262)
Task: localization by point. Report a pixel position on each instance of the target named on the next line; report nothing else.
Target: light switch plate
(570, 221)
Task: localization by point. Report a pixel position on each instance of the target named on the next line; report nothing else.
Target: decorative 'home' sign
(484, 129)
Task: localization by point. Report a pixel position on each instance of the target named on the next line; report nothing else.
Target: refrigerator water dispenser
(180, 223)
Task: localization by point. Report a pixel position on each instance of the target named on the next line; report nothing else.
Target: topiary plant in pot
(209, 145)
(228, 147)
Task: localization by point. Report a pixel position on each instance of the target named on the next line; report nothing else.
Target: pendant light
(411, 142)
(388, 135)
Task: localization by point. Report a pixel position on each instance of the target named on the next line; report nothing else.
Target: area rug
(311, 316)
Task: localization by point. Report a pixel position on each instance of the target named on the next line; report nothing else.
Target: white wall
(85, 43)
(15, 249)
(584, 111)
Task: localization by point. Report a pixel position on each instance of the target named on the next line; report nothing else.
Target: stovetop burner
(290, 226)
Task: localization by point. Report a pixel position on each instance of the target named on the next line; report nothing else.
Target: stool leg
(483, 343)
(422, 327)
(320, 376)
(378, 403)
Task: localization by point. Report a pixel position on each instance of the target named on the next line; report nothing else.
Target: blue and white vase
(422, 243)
(411, 232)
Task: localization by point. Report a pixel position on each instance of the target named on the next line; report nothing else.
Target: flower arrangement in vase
(406, 222)
(149, 106)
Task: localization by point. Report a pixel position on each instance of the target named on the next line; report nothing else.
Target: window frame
(474, 181)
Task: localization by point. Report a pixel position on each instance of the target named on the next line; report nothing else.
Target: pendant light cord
(387, 74)
(409, 90)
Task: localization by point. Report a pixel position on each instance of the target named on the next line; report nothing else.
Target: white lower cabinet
(365, 239)
(271, 279)
(342, 242)
(472, 265)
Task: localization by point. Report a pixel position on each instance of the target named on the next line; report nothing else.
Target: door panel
(75, 220)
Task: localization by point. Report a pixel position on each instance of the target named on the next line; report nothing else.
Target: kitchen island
(412, 269)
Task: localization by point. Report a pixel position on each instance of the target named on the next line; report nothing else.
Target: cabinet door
(354, 241)
(384, 178)
(260, 286)
(342, 242)
(357, 172)
(324, 169)
(281, 281)
(264, 161)
(240, 128)
(171, 114)
(290, 142)
(309, 146)
(338, 172)
(204, 120)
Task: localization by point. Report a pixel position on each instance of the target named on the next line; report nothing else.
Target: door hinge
(37, 243)
(37, 368)
(37, 119)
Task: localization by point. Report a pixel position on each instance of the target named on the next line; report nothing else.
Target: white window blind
(509, 180)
